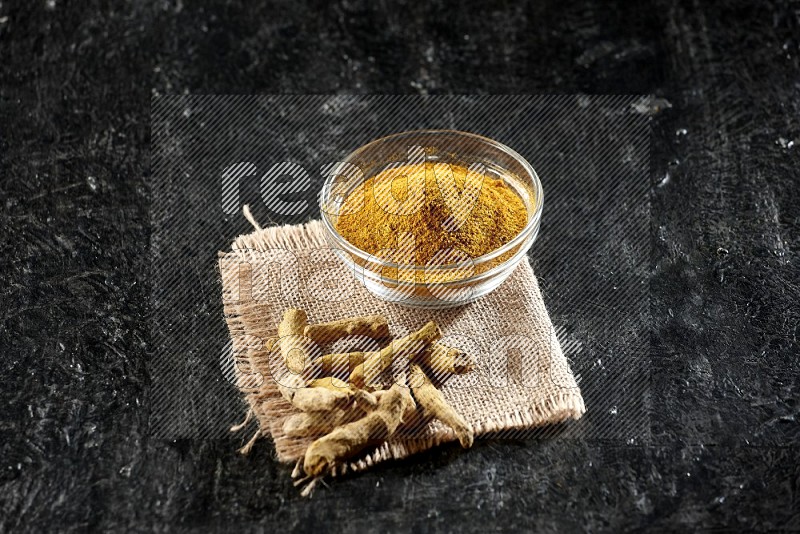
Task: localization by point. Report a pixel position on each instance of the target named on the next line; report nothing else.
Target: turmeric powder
(444, 207)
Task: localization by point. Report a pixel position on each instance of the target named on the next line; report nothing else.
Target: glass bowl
(458, 280)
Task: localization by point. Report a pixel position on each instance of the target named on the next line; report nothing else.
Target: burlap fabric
(522, 379)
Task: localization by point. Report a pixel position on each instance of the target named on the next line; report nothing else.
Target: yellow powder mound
(443, 207)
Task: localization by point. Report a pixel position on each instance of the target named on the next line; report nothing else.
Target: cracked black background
(77, 79)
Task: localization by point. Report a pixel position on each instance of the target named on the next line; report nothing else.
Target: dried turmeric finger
(443, 359)
(363, 398)
(440, 358)
(374, 326)
(329, 382)
(321, 422)
(348, 440)
(408, 414)
(434, 405)
(365, 373)
(341, 363)
(316, 399)
(294, 350)
(294, 346)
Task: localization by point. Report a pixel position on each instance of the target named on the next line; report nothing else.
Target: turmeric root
(323, 395)
(438, 357)
(341, 363)
(320, 422)
(362, 398)
(329, 382)
(295, 350)
(374, 326)
(434, 405)
(411, 408)
(316, 399)
(348, 440)
(294, 347)
(366, 372)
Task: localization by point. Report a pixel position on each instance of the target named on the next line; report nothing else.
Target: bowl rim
(531, 225)
(360, 271)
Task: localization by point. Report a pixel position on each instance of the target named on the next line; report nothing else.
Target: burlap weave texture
(522, 378)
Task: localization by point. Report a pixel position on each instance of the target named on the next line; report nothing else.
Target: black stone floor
(76, 82)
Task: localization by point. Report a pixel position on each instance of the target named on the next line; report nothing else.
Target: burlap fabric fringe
(522, 379)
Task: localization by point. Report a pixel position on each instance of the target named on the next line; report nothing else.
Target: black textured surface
(74, 137)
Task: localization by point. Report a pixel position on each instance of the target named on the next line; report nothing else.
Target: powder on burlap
(522, 379)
